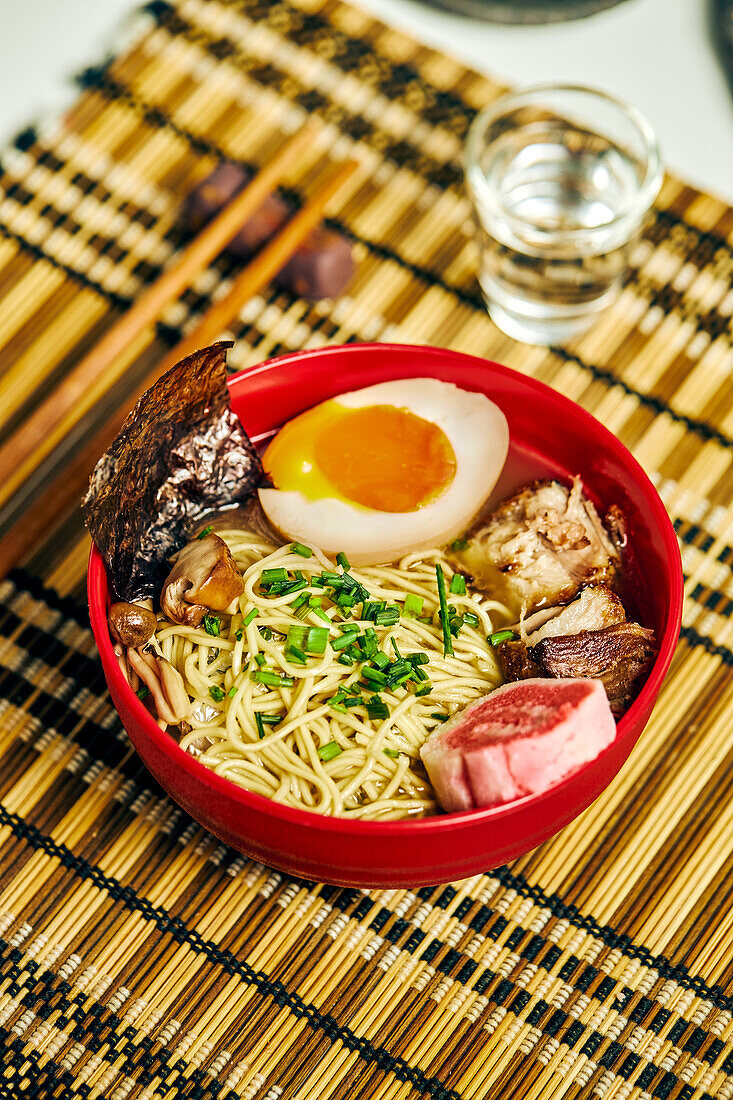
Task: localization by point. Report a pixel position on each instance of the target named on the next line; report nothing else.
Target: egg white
(479, 435)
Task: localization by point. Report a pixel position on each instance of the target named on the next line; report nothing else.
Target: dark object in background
(214, 192)
(322, 266)
(526, 11)
(720, 19)
(180, 454)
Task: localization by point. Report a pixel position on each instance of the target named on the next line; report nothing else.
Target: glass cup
(560, 178)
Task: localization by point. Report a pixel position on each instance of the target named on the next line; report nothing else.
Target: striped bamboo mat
(140, 958)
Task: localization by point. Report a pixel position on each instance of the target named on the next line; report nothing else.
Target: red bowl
(549, 433)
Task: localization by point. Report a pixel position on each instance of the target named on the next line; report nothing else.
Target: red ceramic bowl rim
(98, 595)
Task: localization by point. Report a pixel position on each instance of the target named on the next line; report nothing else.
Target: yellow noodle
(363, 781)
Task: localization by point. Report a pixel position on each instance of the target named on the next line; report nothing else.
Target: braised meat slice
(540, 547)
(617, 655)
(589, 637)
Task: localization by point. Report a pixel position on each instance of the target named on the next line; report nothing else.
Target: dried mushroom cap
(180, 454)
(130, 624)
(204, 578)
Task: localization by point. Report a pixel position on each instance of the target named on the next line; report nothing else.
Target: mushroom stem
(165, 684)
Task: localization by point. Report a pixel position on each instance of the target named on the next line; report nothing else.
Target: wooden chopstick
(150, 305)
(68, 483)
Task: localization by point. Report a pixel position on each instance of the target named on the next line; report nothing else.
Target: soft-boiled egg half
(387, 470)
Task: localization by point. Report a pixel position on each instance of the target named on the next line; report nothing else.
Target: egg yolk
(378, 456)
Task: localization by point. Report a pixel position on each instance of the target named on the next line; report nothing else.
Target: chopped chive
(316, 639)
(273, 576)
(260, 725)
(425, 619)
(301, 551)
(381, 660)
(439, 717)
(419, 673)
(413, 606)
(251, 616)
(470, 619)
(458, 544)
(339, 707)
(388, 617)
(143, 692)
(260, 659)
(500, 636)
(232, 691)
(271, 719)
(216, 693)
(289, 588)
(297, 655)
(212, 625)
(456, 624)
(206, 531)
(328, 577)
(299, 601)
(321, 615)
(330, 751)
(349, 583)
(343, 560)
(313, 601)
(377, 708)
(458, 585)
(272, 679)
(297, 635)
(391, 752)
(374, 675)
(424, 689)
(369, 642)
(239, 635)
(393, 643)
(303, 612)
(265, 633)
(444, 617)
(346, 659)
(353, 701)
(316, 582)
(342, 643)
(418, 658)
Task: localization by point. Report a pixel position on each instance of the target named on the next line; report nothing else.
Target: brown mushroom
(165, 684)
(204, 578)
(131, 624)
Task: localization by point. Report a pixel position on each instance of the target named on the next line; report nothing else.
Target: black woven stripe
(274, 988)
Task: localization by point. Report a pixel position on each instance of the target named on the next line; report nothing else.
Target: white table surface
(655, 53)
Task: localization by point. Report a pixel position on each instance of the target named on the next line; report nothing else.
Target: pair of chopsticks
(67, 485)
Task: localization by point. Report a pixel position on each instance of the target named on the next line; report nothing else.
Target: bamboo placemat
(140, 958)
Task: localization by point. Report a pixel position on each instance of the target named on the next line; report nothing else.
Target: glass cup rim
(633, 209)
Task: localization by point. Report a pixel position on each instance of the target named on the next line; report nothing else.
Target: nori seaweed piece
(182, 452)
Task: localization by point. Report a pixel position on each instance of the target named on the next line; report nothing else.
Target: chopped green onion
(343, 560)
(272, 679)
(299, 601)
(330, 751)
(232, 691)
(391, 752)
(273, 576)
(316, 639)
(216, 693)
(296, 654)
(425, 619)
(470, 619)
(369, 642)
(346, 659)
(143, 692)
(251, 616)
(419, 673)
(212, 625)
(239, 635)
(444, 617)
(297, 635)
(388, 617)
(302, 551)
(458, 544)
(329, 577)
(413, 606)
(398, 655)
(439, 717)
(321, 615)
(265, 633)
(418, 658)
(289, 588)
(349, 583)
(424, 689)
(271, 719)
(456, 624)
(337, 706)
(260, 725)
(374, 675)
(317, 582)
(353, 701)
(313, 601)
(500, 636)
(260, 659)
(370, 609)
(381, 660)
(303, 612)
(458, 585)
(206, 531)
(343, 642)
(399, 671)
(377, 708)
